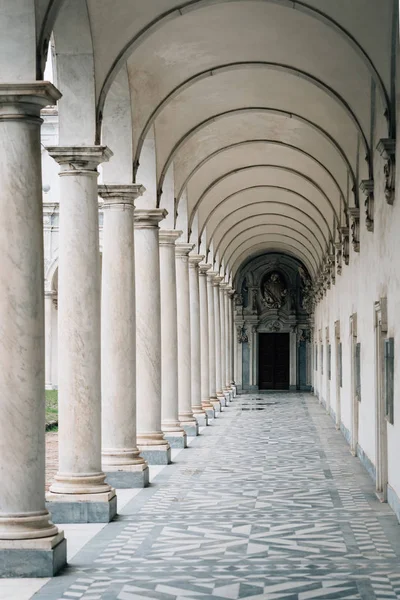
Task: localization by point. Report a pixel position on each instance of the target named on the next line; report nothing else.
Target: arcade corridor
(267, 503)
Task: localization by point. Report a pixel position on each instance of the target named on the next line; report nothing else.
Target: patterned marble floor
(266, 503)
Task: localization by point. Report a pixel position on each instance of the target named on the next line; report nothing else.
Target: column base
(210, 412)
(221, 397)
(82, 508)
(41, 557)
(156, 455)
(176, 439)
(216, 405)
(191, 428)
(127, 476)
(201, 418)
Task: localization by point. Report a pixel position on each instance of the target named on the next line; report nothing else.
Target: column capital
(194, 260)
(217, 280)
(120, 195)
(25, 100)
(204, 269)
(182, 249)
(149, 218)
(211, 275)
(75, 160)
(168, 237)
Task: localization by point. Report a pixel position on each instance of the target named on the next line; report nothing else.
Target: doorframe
(338, 373)
(381, 442)
(288, 333)
(354, 399)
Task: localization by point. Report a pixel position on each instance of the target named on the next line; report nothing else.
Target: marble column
(228, 355)
(30, 544)
(173, 432)
(48, 321)
(222, 292)
(204, 343)
(231, 293)
(211, 342)
(217, 327)
(79, 492)
(186, 417)
(122, 463)
(195, 348)
(153, 447)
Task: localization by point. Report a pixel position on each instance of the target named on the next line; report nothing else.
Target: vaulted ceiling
(263, 110)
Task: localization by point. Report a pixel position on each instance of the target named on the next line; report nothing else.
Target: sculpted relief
(274, 291)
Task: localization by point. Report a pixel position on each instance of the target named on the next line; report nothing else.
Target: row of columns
(139, 369)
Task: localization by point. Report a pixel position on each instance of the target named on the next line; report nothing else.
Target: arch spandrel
(272, 199)
(273, 234)
(260, 248)
(244, 219)
(253, 124)
(261, 152)
(264, 176)
(254, 86)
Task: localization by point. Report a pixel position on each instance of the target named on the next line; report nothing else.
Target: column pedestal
(30, 544)
(121, 461)
(79, 493)
(153, 447)
(173, 432)
(186, 417)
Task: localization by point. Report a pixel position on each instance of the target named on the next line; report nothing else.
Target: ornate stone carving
(345, 241)
(307, 291)
(242, 336)
(304, 335)
(387, 149)
(367, 187)
(238, 300)
(355, 227)
(275, 326)
(338, 246)
(273, 291)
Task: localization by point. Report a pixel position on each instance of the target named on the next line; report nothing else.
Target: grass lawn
(51, 409)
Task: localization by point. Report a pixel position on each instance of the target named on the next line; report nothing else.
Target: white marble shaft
(184, 354)
(169, 334)
(230, 336)
(49, 295)
(227, 339)
(79, 386)
(118, 328)
(204, 338)
(222, 308)
(22, 376)
(148, 328)
(217, 328)
(195, 347)
(211, 335)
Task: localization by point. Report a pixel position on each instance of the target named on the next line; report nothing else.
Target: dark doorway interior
(273, 361)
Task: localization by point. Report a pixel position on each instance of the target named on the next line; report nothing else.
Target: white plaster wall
(372, 274)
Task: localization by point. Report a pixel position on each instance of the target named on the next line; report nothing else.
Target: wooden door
(273, 361)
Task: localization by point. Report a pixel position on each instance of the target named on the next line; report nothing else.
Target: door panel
(273, 363)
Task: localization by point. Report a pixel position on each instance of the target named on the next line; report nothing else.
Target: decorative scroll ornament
(307, 291)
(239, 300)
(274, 291)
(304, 335)
(242, 336)
(367, 187)
(355, 227)
(275, 326)
(339, 256)
(345, 241)
(387, 149)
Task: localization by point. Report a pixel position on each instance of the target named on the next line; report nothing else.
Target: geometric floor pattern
(267, 503)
